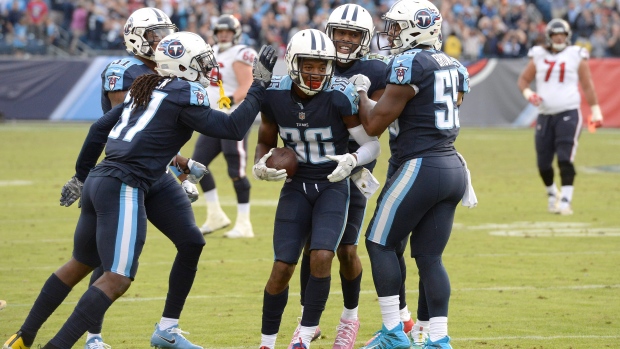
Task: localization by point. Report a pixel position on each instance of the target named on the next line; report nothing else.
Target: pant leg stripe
(391, 201)
(126, 231)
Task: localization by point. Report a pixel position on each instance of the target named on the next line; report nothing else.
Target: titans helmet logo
(128, 26)
(172, 48)
(425, 18)
(400, 72)
(200, 97)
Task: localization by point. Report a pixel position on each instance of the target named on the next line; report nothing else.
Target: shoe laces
(346, 333)
(177, 331)
(97, 344)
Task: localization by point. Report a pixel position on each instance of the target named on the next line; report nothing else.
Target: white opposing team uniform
(236, 53)
(557, 78)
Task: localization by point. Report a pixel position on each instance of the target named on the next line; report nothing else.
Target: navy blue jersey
(429, 123)
(374, 69)
(312, 127)
(118, 76)
(144, 140)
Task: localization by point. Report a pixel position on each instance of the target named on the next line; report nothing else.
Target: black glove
(71, 191)
(262, 68)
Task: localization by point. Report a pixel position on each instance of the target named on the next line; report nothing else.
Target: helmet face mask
(554, 27)
(310, 58)
(144, 29)
(186, 55)
(411, 23)
(230, 23)
(352, 18)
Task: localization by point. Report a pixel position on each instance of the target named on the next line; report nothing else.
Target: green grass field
(521, 277)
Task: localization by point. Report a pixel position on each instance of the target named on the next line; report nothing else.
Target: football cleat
(96, 343)
(171, 338)
(216, 219)
(443, 343)
(553, 203)
(346, 335)
(565, 209)
(15, 342)
(389, 339)
(418, 339)
(242, 229)
(299, 345)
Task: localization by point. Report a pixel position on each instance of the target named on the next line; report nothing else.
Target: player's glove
(262, 68)
(361, 82)
(71, 191)
(262, 172)
(532, 97)
(346, 164)
(190, 190)
(596, 120)
(196, 171)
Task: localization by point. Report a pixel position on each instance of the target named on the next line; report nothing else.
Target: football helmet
(313, 44)
(351, 17)
(557, 26)
(410, 23)
(145, 27)
(227, 22)
(185, 55)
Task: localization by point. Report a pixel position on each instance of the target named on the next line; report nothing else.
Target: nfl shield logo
(400, 72)
(302, 115)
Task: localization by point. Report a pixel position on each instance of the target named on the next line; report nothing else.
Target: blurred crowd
(472, 29)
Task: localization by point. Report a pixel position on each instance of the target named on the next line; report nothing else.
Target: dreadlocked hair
(142, 88)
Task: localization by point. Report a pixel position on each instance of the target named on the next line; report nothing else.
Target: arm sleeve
(369, 149)
(218, 124)
(95, 142)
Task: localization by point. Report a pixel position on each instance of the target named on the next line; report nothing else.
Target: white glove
(469, 198)
(597, 115)
(71, 191)
(264, 173)
(196, 171)
(361, 82)
(346, 164)
(190, 190)
(365, 182)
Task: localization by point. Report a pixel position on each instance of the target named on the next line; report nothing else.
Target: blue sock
(317, 292)
(351, 291)
(273, 308)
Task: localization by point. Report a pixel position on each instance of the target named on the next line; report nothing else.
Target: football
(283, 158)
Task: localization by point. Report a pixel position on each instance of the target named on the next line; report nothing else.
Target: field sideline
(521, 277)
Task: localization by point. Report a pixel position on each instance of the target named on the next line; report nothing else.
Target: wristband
(527, 93)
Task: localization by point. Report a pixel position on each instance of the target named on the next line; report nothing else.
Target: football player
(419, 104)
(235, 73)
(314, 114)
(159, 110)
(351, 28)
(559, 68)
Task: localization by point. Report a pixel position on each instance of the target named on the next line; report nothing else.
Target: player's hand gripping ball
(283, 159)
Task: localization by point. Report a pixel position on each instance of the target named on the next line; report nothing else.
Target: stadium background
(52, 51)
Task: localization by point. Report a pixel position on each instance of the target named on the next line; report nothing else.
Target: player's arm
(116, 97)
(370, 148)
(525, 79)
(585, 80)
(387, 109)
(243, 73)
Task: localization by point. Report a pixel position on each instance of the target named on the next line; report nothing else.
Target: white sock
(89, 335)
(552, 190)
(405, 314)
(567, 192)
(166, 323)
(438, 327)
(349, 314)
(306, 334)
(268, 340)
(211, 195)
(421, 326)
(243, 208)
(389, 311)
